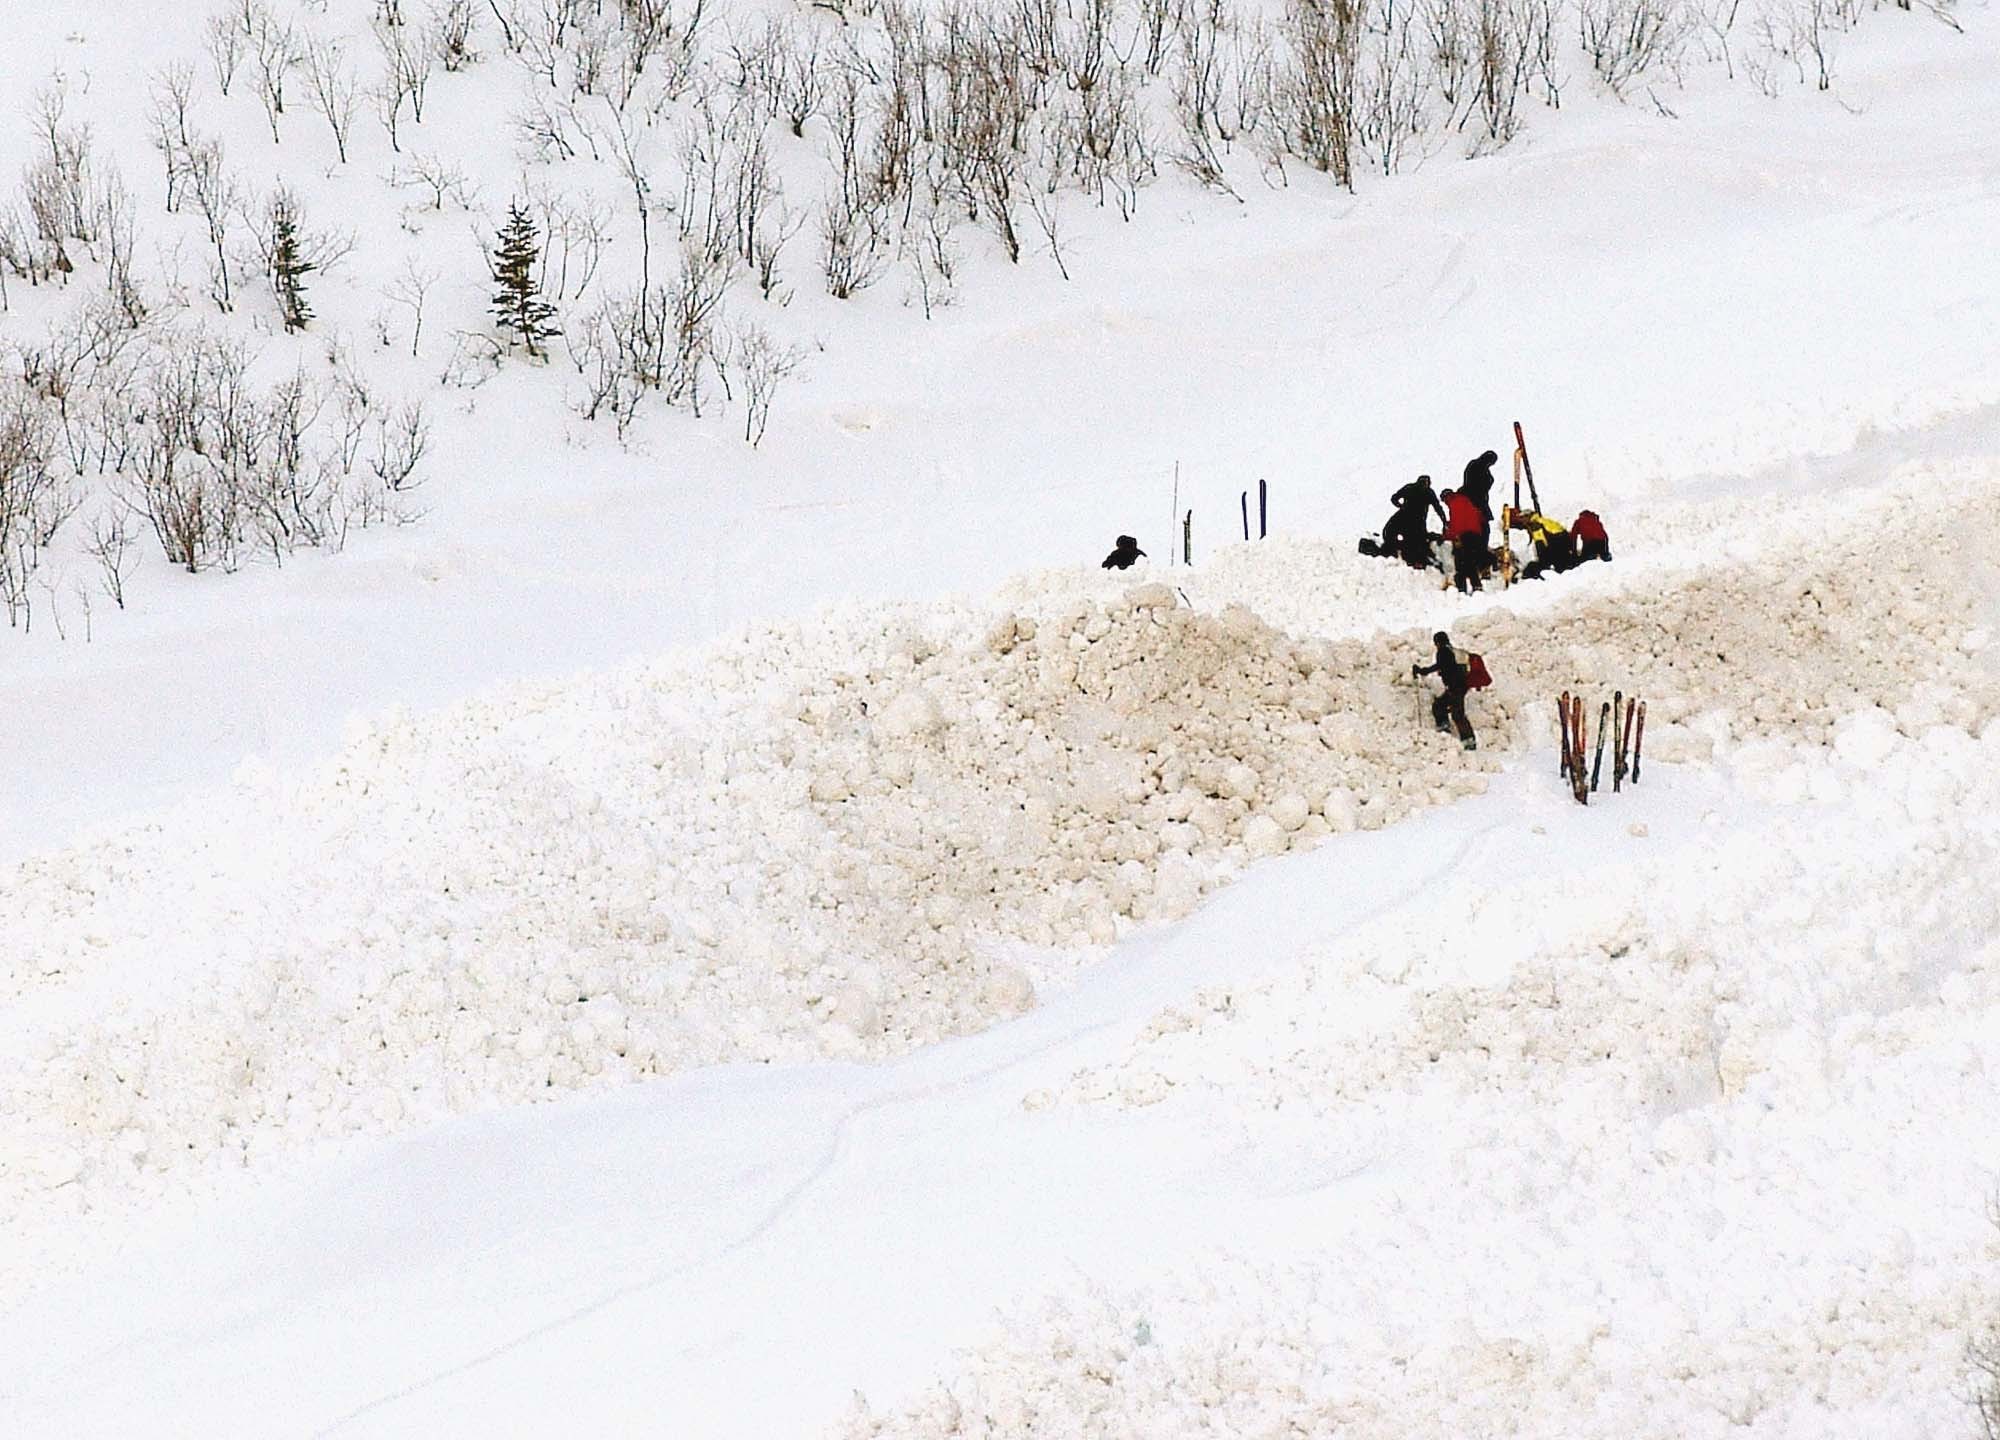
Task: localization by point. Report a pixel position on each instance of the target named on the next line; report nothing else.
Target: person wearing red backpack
(1591, 541)
(1457, 676)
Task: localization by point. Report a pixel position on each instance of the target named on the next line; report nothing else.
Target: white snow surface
(1730, 1034)
(1087, 1005)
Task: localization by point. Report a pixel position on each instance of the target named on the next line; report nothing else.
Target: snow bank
(1702, 1144)
(830, 838)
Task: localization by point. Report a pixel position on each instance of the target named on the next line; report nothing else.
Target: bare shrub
(1625, 39)
(110, 545)
(1318, 89)
(760, 364)
(335, 93)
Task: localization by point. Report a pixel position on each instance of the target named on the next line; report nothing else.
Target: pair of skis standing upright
(1625, 723)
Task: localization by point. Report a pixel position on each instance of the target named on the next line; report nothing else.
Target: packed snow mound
(1675, 1109)
(829, 838)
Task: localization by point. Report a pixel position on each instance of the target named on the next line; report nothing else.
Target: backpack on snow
(1476, 674)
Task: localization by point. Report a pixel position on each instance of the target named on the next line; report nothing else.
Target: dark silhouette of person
(1122, 557)
(1407, 533)
(1478, 483)
(1449, 706)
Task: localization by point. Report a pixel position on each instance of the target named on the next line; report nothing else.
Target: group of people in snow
(1463, 549)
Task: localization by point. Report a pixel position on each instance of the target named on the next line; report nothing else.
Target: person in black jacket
(1451, 704)
(1478, 483)
(1407, 533)
(1122, 557)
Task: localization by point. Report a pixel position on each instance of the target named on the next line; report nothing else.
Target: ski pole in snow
(1173, 512)
(1263, 511)
(1246, 514)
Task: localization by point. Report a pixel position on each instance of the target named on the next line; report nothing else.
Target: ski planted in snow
(1521, 451)
(1617, 740)
(1638, 741)
(1603, 724)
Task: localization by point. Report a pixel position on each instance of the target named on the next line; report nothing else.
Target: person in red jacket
(1465, 532)
(1591, 541)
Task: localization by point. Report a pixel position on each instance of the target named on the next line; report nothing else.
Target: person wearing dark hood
(1122, 557)
(1407, 534)
(1478, 483)
(1449, 706)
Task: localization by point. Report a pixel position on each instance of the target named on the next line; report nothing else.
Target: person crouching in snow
(1122, 557)
(1451, 673)
(1405, 535)
(1591, 541)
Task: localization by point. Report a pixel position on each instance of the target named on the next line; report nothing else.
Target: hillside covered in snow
(610, 863)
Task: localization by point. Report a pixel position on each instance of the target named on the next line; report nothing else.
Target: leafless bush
(442, 179)
(171, 92)
(1397, 89)
(402, 439)
(1627, 38)
(661, 340)
(1500, 69)
(932, 256)
(575, 232)
(33, 497)
(218, 198)
(1318, 88)
(547, 126)
(854, 240)
(449, 33)
(224, 38)
(57, 183)
(406, 75)
(411, 289)
(110, 545)
(760, 363)
(113, 226)
(801, 79)
(335, 93)
(275, 48)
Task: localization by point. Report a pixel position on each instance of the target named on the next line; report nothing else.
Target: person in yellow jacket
(1555, 547)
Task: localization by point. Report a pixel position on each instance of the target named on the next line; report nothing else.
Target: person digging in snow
(1592, 543)
(1407, 535)
(1465, 533)
(1452, 674)
(1122, 557)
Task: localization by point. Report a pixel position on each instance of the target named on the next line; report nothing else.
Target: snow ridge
(834, 838)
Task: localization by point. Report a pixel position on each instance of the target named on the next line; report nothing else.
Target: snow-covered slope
(681, 936)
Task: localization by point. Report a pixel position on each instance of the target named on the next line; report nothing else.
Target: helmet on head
(1127, 540)
(1441, 638)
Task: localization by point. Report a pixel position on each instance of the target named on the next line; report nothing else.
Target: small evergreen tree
(289, 265)
(518, 302)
